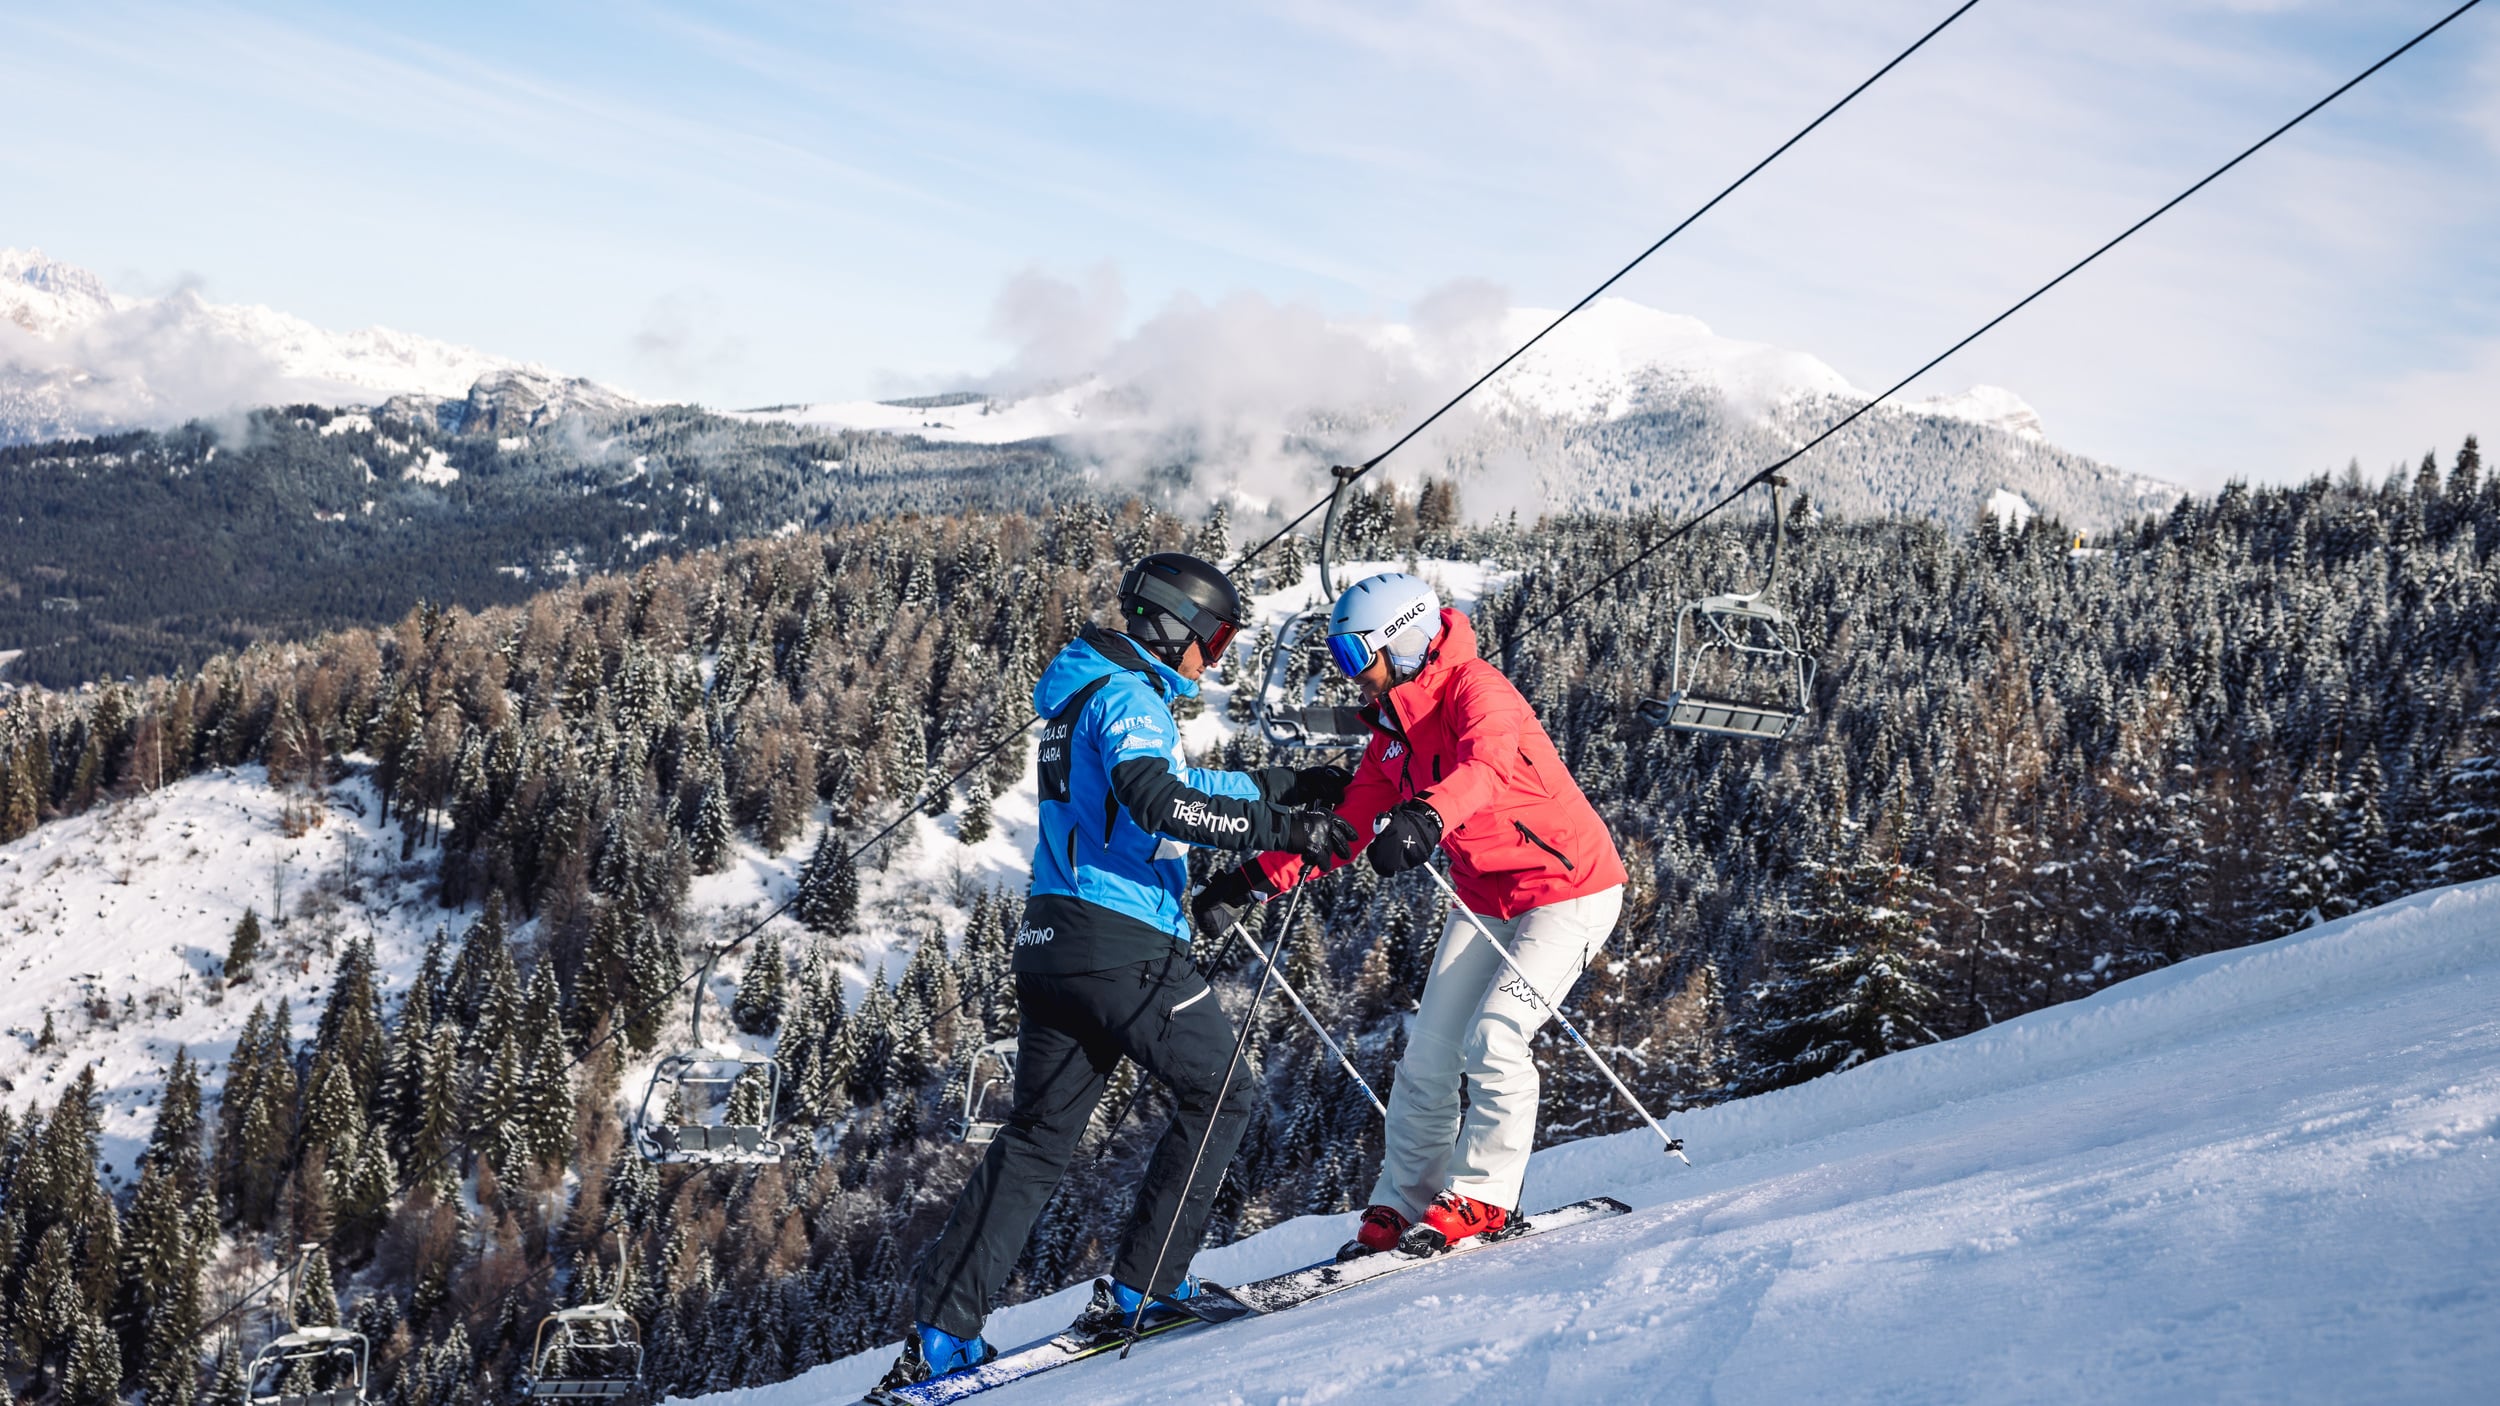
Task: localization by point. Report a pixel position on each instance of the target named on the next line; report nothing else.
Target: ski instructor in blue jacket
(1102, 962)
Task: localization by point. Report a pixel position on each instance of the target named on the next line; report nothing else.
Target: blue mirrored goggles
(1353, 653)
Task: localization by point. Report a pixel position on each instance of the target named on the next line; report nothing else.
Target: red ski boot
(1452, 1218)
(1382, 1225)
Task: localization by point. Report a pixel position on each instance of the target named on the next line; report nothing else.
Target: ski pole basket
(1289, 707)
(316, 1365)
(1740, 667)
(993, 1071)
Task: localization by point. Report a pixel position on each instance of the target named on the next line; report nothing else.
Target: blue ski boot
(932, 1352)
(1115, 1305)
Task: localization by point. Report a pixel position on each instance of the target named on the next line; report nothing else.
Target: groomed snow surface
(2265, 1175)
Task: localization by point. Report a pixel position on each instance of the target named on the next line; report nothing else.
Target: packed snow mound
(2261, 1175)
(2009, 509)
(77, 358)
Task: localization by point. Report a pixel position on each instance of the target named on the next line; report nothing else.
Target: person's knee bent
(1497, 1055)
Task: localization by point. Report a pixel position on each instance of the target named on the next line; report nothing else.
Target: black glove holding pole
(1221, 902)
(1406, 838)
(1320, 837)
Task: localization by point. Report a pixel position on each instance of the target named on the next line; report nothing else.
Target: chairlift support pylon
(1301, 721)
(713, 1077)
(320, 1365)
(1747, 637)
(592, 1352)
(971, 1127)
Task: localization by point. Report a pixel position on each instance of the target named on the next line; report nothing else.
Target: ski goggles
(1353, 653)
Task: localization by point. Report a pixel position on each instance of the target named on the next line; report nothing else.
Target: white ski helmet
(1393, 614)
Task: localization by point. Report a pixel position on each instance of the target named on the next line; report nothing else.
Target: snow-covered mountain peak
(1599, 364)
(1993, 406)
(77, 358)
(44, 295)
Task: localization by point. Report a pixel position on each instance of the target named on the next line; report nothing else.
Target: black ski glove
(1220, 903)
(1305, 786)
(1407, 837)
(1319, 836)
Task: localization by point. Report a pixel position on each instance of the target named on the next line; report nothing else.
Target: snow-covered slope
(115, 923)
(2264, 1175)
(77, 358)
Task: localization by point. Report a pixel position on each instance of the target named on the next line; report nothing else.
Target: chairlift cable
(2027, 300)
(1730, 189)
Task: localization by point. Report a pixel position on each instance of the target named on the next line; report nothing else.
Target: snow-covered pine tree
(243, 948)
(758, 1007)
(828, 897)
(1859, 981)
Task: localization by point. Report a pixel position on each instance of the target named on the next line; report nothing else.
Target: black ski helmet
(1171, 598)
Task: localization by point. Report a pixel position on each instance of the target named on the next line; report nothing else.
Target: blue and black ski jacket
(1119, 810)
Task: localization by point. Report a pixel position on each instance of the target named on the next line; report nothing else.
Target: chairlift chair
(1295, 717)
(316, 1365)
(1740, 668)
(677, 1126)
(589, 1353)
(1000, 1057)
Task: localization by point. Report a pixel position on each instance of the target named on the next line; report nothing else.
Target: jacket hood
(1415, 699)
(1456, 646)
(1094, 654)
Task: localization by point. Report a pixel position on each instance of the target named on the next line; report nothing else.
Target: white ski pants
(1474, 1022)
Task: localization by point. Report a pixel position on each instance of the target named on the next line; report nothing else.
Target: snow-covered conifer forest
(2034, 769)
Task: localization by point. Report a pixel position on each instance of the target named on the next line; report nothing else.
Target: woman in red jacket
(1458, 761)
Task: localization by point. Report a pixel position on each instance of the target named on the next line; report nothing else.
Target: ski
(1331, 1276)
(1265, 1296)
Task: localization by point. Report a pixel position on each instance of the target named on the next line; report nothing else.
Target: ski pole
(1316, 1028)
(1674, 1145)
(1241, 1042)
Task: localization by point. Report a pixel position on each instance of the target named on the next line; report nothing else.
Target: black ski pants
(1159, 1013)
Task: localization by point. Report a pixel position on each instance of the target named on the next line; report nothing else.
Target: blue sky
(757, 203)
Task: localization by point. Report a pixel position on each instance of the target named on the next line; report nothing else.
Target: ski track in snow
(2264, 1175)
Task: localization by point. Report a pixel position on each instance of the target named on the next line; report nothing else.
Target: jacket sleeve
(1487, 716)
(1140, 752)
(1372, 791)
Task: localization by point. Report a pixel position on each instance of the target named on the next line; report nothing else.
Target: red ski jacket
(1459, 737)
